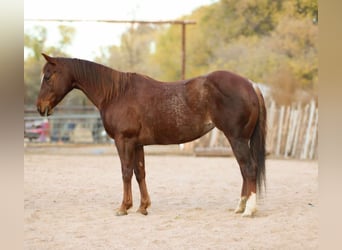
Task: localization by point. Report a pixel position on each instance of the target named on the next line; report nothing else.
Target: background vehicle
(37, 130)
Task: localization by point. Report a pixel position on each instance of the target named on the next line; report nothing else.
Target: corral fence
(292, 131)
(66, 125)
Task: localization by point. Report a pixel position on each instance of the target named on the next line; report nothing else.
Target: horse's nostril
(40, 110)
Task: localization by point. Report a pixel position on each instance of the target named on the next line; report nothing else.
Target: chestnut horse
(137, 110)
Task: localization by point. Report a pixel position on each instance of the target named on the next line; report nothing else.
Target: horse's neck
(99, 84)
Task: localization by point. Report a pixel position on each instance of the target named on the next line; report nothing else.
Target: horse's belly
(176, 133)
(193, 132)
(176, 118)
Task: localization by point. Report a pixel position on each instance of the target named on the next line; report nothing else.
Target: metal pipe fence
(66, 128)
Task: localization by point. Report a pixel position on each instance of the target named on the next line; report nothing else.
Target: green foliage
(274, 42)
(67, 35)
(135, 52)
(35, 41)
(169, 43)
(269, 41)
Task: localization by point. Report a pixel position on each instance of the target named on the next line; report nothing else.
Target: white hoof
(250, 206)
(241, 206)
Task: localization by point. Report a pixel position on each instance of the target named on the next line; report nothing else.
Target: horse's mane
(112, 83)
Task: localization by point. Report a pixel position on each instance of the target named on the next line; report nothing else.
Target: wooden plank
(291, 132)
(271, 127)
(297, 130)
(280, 128)
(314, 136)
(307, 134)
(286, 127)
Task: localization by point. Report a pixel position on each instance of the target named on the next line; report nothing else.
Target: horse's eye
(47, 77)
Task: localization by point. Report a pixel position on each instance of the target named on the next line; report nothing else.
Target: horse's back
(234, 87)
(229, 81)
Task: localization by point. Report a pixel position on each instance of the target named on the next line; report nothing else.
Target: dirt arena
(71, 199)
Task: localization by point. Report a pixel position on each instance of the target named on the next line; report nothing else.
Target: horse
(137, 110)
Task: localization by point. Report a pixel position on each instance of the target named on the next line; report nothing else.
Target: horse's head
(55, 84)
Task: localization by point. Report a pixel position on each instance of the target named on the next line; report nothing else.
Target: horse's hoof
(248, 213)
(142, 211)
(121, 213)
(239, 210)
(250, 208)
(241, 206)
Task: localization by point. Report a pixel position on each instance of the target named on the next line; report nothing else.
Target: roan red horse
(137, 110)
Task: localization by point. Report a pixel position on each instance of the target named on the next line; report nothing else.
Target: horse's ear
(49, 58)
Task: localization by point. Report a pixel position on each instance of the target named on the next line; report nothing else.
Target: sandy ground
(71, 199)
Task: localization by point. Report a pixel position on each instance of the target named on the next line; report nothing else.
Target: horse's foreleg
(139, 171)
(127, 157)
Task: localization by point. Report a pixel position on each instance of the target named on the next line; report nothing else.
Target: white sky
(89, 36)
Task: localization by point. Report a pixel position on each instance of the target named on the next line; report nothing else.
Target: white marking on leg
(242, 205)
(250, 206)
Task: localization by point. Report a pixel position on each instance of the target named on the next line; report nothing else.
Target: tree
(297, 40)
(168, 54)
(274, 42)
(134, 53)
(34, 42)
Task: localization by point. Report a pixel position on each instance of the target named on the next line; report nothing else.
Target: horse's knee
(127, 174)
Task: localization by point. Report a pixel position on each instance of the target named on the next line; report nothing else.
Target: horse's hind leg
(243, 198)
(248, 168)
(139, 171)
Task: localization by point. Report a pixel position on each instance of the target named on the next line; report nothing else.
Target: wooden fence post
(297, 130)
(280, 128)
(291, 131)
(286, 125)
(308, 130)
(314, 136)
(271, 126)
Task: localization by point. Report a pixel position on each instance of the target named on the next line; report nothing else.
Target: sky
(91, 35)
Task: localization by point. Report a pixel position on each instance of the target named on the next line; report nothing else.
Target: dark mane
(112, 83)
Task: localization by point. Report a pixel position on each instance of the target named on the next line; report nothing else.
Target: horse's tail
(258, 142)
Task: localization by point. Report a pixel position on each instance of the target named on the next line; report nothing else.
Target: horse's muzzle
(44, 110)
